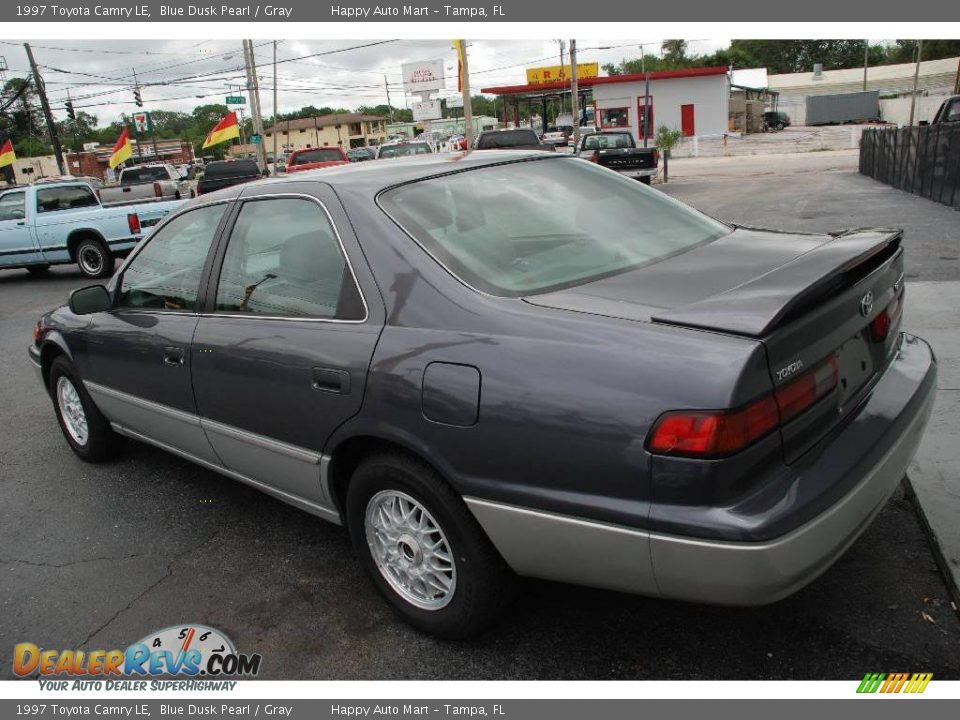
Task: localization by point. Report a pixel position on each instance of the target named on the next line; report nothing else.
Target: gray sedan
(511, 363)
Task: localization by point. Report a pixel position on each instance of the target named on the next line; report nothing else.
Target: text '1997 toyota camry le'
(479, 379)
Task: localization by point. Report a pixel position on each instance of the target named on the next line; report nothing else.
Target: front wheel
(93, 258)
(422, 548)
(86, 430)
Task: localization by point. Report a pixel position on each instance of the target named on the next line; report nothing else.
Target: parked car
(55, 223)
(616, 149)
(221, 174)
(315, 158)
(362, 154)
(556, 137)
(403, 149)
(517, 139)
(948, 112)
(157, 182)
(776, 120)
(514, 362)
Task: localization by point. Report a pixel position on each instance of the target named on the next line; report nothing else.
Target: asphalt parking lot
(97, 556)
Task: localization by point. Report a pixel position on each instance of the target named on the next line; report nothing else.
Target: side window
(284, 260)
(953, 112)
(165, 275)
(13, 206)
(67, 197)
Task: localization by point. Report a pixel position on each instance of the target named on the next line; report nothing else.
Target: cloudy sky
(99, 74)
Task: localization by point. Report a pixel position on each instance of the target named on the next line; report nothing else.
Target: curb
(953, 589)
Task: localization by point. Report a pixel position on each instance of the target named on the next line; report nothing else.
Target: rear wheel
(38, 269)
(646, 180)
(423, 550)
(86, 430)
(93, 258)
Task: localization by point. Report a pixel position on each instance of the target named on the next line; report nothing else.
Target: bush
(667, 139)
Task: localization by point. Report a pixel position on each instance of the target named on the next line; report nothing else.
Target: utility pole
(562, 44)
(866, 62)
(574, 94)
(253, 87)
(916, 78)
(467, 107)
(276, 159)
(51, 126)
(386, 87)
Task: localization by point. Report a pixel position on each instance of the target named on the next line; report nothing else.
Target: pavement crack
(32, 563)
(169, 573)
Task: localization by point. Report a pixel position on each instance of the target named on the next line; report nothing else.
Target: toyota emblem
(866, 304)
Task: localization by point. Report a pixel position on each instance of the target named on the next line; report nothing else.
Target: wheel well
(350, 453)
(78, 236)
(48, 353)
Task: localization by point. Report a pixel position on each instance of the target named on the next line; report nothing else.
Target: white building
(693, 100)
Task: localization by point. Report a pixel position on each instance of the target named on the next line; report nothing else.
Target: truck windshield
(540, 225)
(141, 175)
(606, 141)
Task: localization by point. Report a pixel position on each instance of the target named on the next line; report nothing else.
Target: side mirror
(89, 300)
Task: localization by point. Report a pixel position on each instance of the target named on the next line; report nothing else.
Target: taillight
(719, 433)
(806, 390)
(157, 190)
(656, 157)
(713, 433)
(38, 331)
(881, 324)
(133, 222)
(595, 157)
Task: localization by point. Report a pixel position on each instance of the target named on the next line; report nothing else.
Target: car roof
(381, 174)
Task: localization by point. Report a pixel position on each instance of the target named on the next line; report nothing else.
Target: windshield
(137, 176)
(540, 225)
(606, 141)
(314, 156)
(392, 151)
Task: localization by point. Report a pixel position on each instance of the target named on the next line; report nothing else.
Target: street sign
(454, 101)
(141, 122)
(422, 77)
(426, 110)
(236, 100)
(256, 139)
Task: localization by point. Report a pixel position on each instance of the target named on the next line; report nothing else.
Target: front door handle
(173, 356)
(331, 380)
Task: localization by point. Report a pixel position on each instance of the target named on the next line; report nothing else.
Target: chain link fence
(923, 160)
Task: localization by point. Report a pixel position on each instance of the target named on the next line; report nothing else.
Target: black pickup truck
(616, 149)
(518, 139)
(221, 174)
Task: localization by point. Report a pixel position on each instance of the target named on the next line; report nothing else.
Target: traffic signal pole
(51, 126)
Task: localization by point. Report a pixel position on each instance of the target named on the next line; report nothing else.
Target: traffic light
(70, 113)
(136, 97)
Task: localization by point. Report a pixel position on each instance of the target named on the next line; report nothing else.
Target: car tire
(646, 180)
(37, 269)
(85, 428)
(469, 591)
(176, 195)
(94, 259)
(778, 127)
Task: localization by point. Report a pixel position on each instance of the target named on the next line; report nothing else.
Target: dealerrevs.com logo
(182, 651)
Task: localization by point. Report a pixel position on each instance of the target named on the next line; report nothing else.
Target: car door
(17, 242)
(280, 360)
(136, 357)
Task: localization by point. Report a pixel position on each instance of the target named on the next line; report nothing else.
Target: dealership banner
(472, 11)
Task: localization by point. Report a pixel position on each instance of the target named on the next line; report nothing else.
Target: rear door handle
(173, 356)
(331, 380)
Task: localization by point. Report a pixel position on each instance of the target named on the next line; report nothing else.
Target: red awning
(613, 79)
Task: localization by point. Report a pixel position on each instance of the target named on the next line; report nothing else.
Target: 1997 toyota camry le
(511, 362)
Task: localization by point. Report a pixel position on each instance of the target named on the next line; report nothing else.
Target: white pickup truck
(144, 183)
(63, 222)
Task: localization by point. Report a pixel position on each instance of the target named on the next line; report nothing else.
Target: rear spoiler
(759, 306)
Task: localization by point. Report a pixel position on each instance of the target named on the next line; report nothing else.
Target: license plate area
(856, 366)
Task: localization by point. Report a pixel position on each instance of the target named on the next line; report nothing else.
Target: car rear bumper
(644, 172)
(587, 552)
(34, 353)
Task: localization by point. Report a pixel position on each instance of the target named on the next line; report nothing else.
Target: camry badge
(866, 304)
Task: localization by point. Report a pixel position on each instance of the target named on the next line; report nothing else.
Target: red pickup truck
(313, 158)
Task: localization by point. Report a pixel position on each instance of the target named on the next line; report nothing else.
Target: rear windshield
(540, 225)
(235, 168)
(313, 156)
(605, 141)
(393, 151)
(137, 176)
(508, 138)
